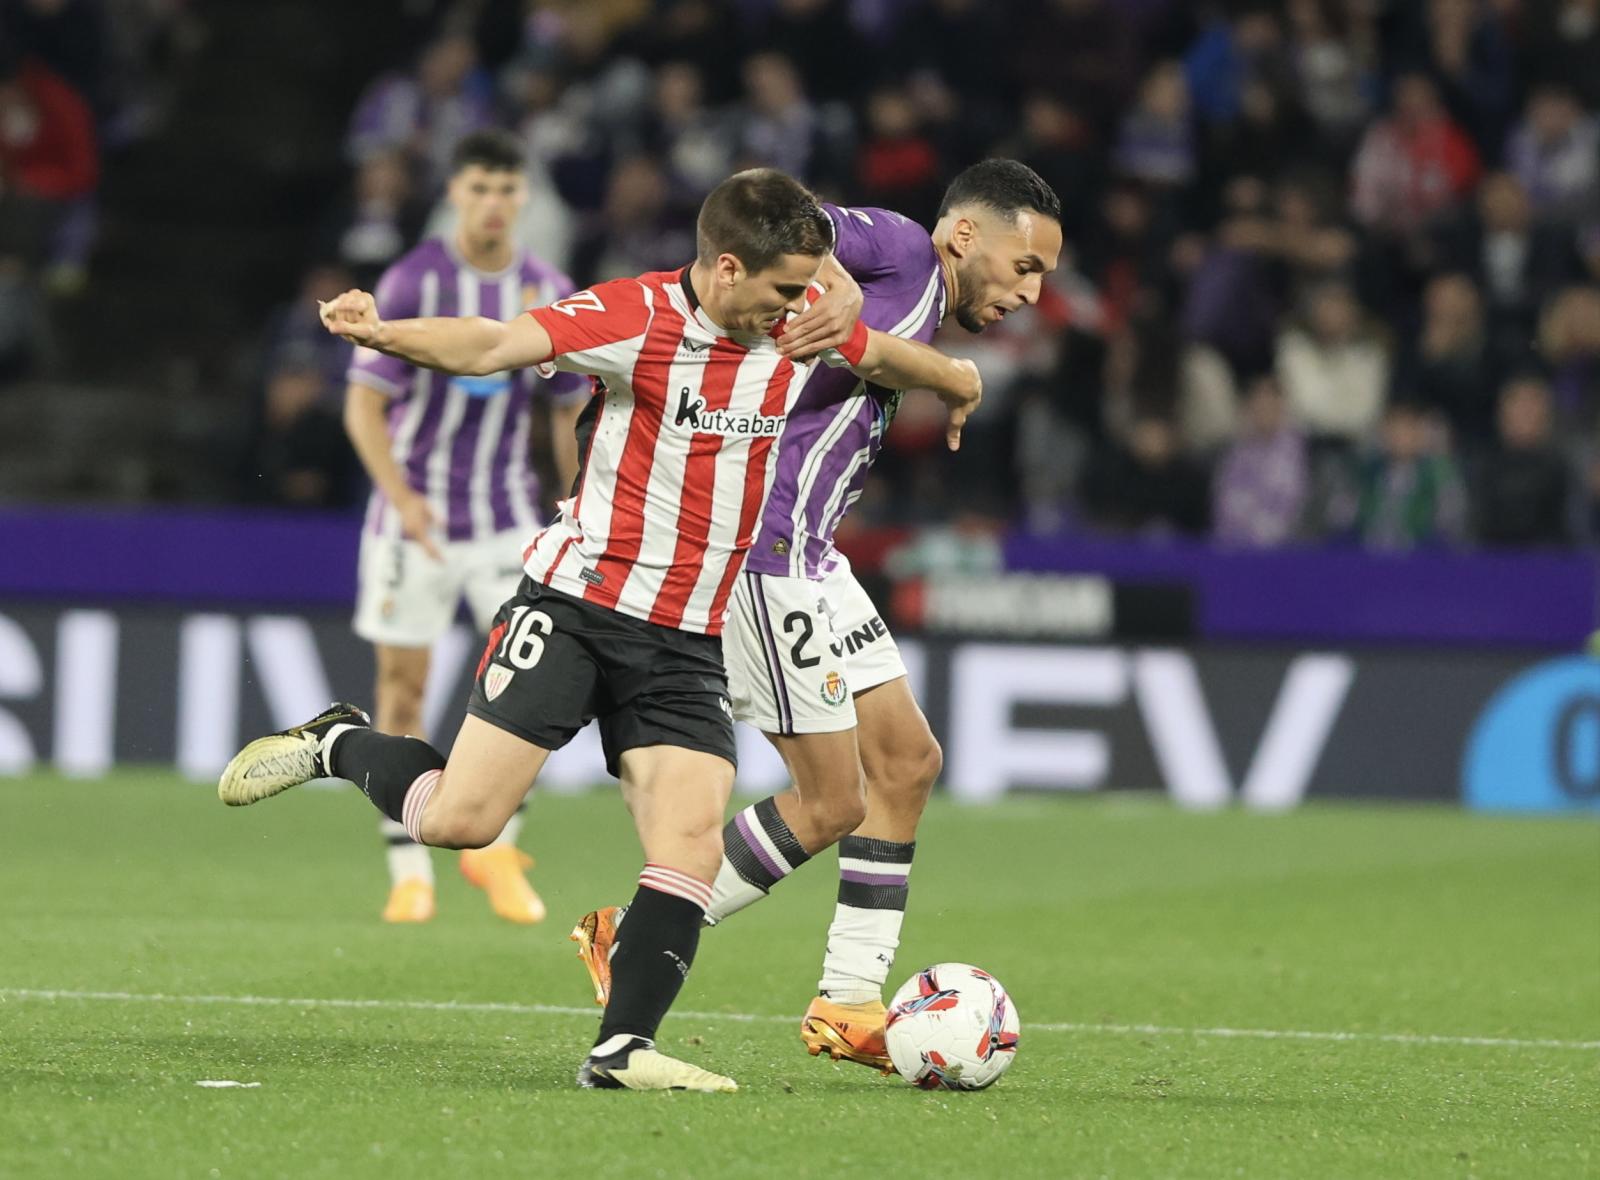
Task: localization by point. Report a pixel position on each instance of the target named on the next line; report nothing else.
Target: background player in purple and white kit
(454, 496)
(809, 660)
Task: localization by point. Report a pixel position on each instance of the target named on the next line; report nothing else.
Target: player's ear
(729, 269)
(963, 236)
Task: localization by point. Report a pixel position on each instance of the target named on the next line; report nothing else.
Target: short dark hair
(494, 151)
(758, 216)
(1006, 186)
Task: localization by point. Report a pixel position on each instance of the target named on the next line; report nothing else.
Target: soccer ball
(952, 1027)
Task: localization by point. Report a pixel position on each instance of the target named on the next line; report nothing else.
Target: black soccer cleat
(270, 765)
(637, 1065)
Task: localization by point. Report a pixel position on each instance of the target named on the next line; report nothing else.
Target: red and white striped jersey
(676, 449)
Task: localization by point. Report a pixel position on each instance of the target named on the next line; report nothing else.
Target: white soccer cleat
(638, 1065)
(272, 764)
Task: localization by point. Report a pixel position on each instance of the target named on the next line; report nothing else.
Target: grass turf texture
(1093, 912)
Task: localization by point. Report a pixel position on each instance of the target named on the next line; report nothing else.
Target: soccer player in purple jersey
(454, 497)
(809, 660)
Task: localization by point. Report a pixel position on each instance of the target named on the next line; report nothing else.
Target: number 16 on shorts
(522, 648)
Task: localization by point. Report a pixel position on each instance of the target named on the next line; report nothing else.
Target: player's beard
(969, 307)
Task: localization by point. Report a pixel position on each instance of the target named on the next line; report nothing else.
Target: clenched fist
(354, 316)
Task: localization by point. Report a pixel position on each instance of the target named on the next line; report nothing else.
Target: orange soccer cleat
(847, 1032)
(499, 870)
(410, 900)
(596, 936)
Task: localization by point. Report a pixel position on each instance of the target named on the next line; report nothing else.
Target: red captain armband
(855, 348)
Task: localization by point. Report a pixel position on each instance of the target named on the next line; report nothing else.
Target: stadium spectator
(1452, 368)
(301, 458)
(1555, 153)
(1309, 241)
(1332, 54)
(1155, 142)
(295, 339)
(1148, 486)
(1516, 262)
(1261, 486)
(49, 161)
(780, 127)
(1232, 302)
(69, 37)
(897, 165)
(1464, 47)
(1522, 489)
(1231, 56)
(371, 226)
(1413, 164)
(640, 228)
(423, 114)
(1334, 368)
(1569, 342)
(1406, 491)
(1561, 43)
(688, 136)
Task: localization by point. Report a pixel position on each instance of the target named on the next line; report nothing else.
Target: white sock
(730, 893)
(406, 857)
(325, 746)
(873, 886)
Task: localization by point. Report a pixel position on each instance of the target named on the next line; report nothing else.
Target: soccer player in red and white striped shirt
(619, 615)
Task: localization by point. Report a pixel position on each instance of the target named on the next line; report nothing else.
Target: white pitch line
(1143, 1030)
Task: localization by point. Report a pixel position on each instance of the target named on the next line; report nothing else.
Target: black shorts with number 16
(554, 663)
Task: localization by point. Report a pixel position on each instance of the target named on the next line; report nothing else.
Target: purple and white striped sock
(874, 880)
(758, 851)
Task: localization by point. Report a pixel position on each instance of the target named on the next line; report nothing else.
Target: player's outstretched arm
(908, 364)
(471, 345)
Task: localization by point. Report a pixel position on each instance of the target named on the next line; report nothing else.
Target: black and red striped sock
(655, 949)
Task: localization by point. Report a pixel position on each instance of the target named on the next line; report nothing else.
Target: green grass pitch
(1396, 935)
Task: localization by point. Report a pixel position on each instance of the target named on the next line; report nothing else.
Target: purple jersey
(462, 441)
(836, 429)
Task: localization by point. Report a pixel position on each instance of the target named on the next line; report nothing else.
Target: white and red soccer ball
(952, 1027)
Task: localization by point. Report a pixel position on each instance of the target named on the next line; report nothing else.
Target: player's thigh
(824, 767)
(786, 666)
(897, 745)
(486, 776)
(677, 797)
(404, 597)
(492, 574)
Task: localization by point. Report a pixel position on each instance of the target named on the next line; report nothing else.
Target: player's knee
(930, 764)
(908, 777)
(459, 828)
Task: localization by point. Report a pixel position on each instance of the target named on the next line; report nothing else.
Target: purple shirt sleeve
(879, 244)
(398, 299)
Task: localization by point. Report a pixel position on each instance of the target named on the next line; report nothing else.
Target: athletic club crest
(495, 680)
(834, 690)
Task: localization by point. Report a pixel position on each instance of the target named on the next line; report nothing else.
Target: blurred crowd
(1333, 266)
(79, 80)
